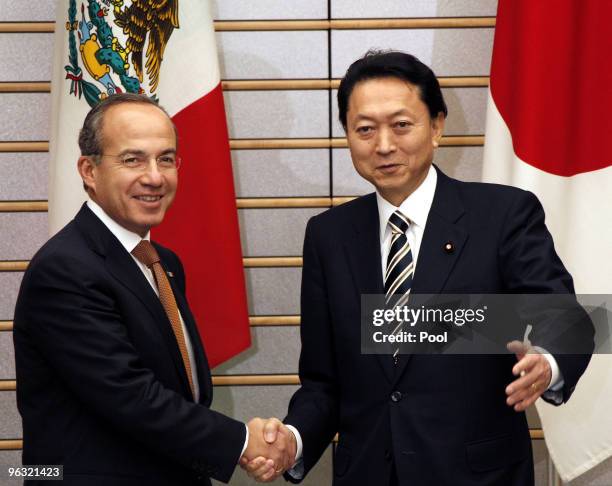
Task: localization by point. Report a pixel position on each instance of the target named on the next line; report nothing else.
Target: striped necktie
(400, 267)
(146, 253)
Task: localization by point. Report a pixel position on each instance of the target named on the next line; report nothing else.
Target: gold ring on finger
(534, 386)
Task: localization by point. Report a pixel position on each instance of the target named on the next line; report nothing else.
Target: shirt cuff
(298, 439)
(246, 441)
(556, 378)
(297, 471)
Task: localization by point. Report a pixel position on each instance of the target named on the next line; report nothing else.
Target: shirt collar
(415, 207)
(127, 239)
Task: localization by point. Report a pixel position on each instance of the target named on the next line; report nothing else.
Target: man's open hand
(534, 375)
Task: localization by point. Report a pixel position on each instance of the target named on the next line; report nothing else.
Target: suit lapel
(363, 252)
(120, 264)
(363, 248)
(436, 261)
(122, 267)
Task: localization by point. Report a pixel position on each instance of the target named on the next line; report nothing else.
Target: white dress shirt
(416, 208)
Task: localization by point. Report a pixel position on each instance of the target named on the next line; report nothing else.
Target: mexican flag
(548, 128)
(164, 49)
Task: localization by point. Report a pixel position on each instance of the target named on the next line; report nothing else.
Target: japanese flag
(548, 129)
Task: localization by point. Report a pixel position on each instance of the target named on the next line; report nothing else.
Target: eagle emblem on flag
(106, 42)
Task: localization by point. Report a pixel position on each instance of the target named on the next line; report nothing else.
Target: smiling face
(135, 199)
(391, 136)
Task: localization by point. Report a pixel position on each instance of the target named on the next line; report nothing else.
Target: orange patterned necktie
(146, 253)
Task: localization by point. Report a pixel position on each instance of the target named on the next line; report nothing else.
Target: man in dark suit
(419, 419)
(112, 380)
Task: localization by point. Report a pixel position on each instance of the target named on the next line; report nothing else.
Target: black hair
(392, 64)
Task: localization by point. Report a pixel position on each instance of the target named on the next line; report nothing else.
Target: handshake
(270, 451)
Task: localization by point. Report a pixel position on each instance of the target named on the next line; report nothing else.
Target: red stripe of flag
(202, 227)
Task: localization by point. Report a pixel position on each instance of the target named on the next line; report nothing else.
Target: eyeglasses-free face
(391, 136)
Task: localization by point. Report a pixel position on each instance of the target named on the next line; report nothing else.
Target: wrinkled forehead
(136, 121)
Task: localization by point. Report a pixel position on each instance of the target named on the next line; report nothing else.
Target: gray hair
(90, 136)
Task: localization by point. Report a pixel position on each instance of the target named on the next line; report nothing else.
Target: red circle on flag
(551, 80)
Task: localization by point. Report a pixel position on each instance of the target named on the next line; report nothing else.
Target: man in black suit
(112, 380)
(419, 419)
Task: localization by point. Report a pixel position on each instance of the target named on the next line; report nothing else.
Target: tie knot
(398, 222)
(146, 253)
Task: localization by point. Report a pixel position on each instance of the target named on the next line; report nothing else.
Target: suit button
(396, 396)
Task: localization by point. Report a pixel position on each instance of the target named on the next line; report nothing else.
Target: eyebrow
(168, 151)
(403, 111)
(142, 152)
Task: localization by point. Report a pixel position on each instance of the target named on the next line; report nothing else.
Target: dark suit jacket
(442, 420)
(101, 386)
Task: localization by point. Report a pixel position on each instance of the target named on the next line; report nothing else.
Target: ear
(87, 171)
(437, 125)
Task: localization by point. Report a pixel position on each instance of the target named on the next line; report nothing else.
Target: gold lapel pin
(170, 274)
(449, 247)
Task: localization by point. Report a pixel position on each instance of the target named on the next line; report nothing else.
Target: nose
(152, 175)
(385, 142)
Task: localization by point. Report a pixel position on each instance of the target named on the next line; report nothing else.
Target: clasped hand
(271, 449)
